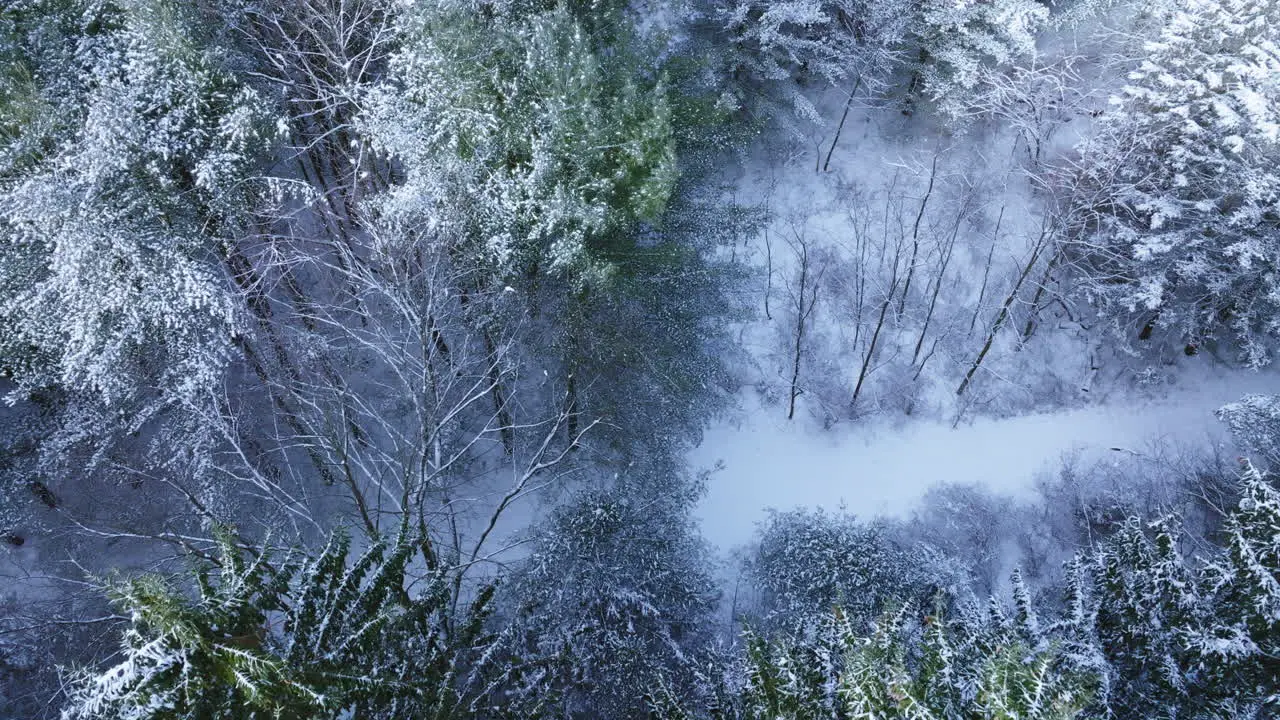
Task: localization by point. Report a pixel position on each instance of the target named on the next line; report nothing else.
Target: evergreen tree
(906, 669)
(1025, 622)
(327, 637)
(518, 139)
(539, 145)
(1147, 604)
(1075, 631)
(857, 44)
(1240, 647)
(616, 588)
(1254, 421)
(110, 270)
(777, 48)
(805, 563)
(957, 38)
(1180, 228)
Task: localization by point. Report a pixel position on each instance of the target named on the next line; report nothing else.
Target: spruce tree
(1147, 604)
(1240, 646)
(1180, 232)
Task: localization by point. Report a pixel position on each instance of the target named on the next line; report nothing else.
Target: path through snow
(770, 462)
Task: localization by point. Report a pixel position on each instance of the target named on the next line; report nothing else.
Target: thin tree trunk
(826, 165)
(871, 351)
(869, 355)
(247, 280)
(499, 398)
(915, 237)
(571, 418)
(1001, 317)
(937, 286)
(801, 317)
(860, 287)
(933, 347)
(986, 273)
(495, 383)
(1035, 299)
(768, 278)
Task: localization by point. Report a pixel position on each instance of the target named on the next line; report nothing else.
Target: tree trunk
(1001, 317)
(826, 165)
(986, 273)
(915, 238)
(801, 316)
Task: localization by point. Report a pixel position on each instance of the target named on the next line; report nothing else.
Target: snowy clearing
(772, 463)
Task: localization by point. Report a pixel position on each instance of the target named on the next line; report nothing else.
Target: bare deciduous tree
(811, 265)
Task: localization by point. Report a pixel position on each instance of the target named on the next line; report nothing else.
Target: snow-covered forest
(609, 359)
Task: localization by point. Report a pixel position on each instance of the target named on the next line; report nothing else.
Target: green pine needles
(310, 638)
(910, 667)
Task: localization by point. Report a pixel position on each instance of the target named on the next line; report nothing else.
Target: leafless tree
(811, 265)
(889, 289)
(915, 236)
(1043, 246)
(1036, 100)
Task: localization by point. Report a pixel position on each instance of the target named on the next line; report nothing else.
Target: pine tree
(321, 638)
(780, 47)
(111, 240)
(538, 144)
(938, 683)
(1018, 685)
(1254, 421)
(787, 679)
(616, 589)
(906, 668)
(1075, 631)
(857, 44)
(875, 680)
(517, 137)
(805, 563)
(1025, 622)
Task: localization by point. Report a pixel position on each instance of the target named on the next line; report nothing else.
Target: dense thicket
(411, 269)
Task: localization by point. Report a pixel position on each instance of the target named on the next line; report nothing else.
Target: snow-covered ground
(770, 462)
